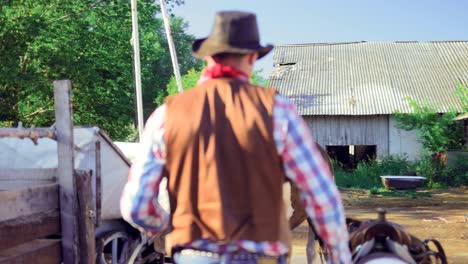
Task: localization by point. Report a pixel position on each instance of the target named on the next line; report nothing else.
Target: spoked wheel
(120, 247)
(115, 248)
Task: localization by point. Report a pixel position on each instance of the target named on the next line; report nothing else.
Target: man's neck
(235, 63)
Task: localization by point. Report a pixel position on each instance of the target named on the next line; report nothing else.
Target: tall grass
(367, 174)
(440, 176)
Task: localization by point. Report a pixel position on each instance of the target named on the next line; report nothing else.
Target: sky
(318, 21)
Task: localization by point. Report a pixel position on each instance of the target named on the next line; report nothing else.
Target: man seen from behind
(226, 147)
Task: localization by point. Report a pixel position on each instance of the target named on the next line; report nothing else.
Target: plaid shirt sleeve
(305, 166)
(139, 201)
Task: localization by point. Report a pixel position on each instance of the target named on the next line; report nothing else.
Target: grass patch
(398, 193)
(367, 174)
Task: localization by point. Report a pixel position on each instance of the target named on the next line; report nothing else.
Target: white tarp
(131, 151)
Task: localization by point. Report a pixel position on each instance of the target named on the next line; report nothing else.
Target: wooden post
(86, 216)
(67, 188)
(98, 174)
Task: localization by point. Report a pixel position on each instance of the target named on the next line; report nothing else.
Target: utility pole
(175, 63)
(136, 58)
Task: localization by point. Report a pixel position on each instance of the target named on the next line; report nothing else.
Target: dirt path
(443, 216)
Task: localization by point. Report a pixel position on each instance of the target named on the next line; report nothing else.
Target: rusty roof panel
(370, 78)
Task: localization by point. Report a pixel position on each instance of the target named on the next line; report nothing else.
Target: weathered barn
(348, 92)
(463, 118)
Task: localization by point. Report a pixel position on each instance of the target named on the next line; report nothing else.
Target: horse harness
(379, 238)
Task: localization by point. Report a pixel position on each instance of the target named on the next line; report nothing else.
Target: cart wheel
(115, 247)
(121, 247)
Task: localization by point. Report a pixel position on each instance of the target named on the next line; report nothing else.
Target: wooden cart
(60, 189)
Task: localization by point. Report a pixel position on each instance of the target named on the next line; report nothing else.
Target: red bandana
(222, 71)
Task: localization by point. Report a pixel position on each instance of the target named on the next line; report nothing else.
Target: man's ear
(253, 58)
(210, 61)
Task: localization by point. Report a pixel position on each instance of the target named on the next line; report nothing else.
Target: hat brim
(206, 47)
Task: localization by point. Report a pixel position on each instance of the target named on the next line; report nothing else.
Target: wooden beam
(65, 170)
(86, 216)
(44, 251)
(28, 201)
(36, 174)
(32, 133)
(27, 228)
(98, 174)
(16, 179)
(21, 184)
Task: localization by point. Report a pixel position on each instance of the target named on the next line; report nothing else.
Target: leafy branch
(437, 131)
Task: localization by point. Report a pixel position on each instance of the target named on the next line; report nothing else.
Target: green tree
(189, 80)
(437, 131)
(258, 79)
(159, 70)
(462, 92)
(87, 42)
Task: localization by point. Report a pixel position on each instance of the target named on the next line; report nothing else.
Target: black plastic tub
(392, 182)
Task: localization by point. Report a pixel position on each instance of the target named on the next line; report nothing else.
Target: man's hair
(227, 55)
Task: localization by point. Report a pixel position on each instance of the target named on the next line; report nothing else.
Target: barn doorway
(351, 155)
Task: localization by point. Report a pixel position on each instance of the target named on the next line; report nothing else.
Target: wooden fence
(46, 215)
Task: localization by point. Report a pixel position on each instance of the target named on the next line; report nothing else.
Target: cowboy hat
(233, 32)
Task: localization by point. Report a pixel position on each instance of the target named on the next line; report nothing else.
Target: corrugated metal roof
(370, 78)
(461, 117)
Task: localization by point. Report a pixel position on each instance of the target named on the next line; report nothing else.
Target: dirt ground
(443, 216)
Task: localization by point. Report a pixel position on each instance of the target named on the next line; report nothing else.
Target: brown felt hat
(233, 32)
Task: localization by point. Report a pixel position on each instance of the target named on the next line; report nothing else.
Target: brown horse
(368, 239)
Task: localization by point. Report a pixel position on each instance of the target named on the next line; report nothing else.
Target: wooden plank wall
(31, 214)
(27, 216)
(28, 201)
(41, 212)
(351, 130)
(11, 179)
(44, 251)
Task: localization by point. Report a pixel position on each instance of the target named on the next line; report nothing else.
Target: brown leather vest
(224, 173)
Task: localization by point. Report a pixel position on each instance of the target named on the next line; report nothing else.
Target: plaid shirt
(303, 165)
